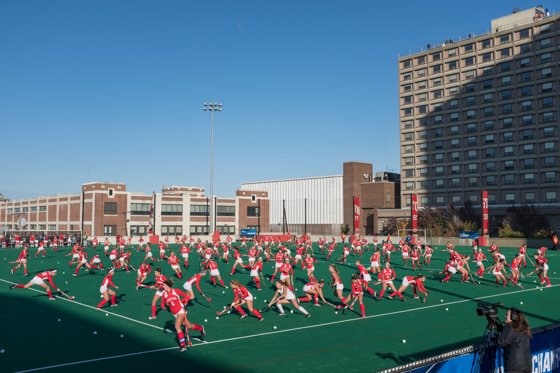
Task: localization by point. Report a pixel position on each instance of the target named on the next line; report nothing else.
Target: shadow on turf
(32, 316)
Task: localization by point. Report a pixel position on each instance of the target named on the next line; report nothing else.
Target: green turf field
(62, 335)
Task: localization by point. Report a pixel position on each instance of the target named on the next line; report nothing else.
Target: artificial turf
(33, 337)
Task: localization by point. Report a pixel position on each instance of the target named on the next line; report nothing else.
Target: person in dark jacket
(514, 340)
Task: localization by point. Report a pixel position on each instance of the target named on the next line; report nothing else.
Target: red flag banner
(357, 213)
(484, 212)
(414, 213)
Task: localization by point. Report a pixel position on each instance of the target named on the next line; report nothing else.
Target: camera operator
(514, 340)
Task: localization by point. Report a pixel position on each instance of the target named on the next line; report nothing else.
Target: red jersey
(279, 257)
(145, 269)
(541, 260)
(362, 269)
(107, 280)
(174, 299)
(286, 269)
(185, 250)
(159, 281)
(479, 257)
(173, 260)
(356, 287)
(47, 276)
(387, 274)
(257, 266)
(252, 252)
(212, 265)
(23, 254)
(240, 293)
(195, 280)
(309, 262)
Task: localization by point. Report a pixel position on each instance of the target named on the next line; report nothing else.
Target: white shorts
(149, 254)
(254, 273)
(181, 312)
(452, 270)
(75, 256)
(298, 256)
(96, 261)
(278, 265)
(496, 273)
(106, 248)
(374, 264)
(84, 261)
(214, 273)
(159, 293)
(290, 295)
(479, 264)
(311, 269)
(367, 277)
(103, 289)
(187, 286)
(405, 282)
(207, 256)
(175, 267)
(112, 257)
(283, 277)
(37, 281)
(339, 286)
(185, 256)
(405, 255)
(387, 282)
(248, 297)
(252, 260)
(239, 260)
(40, 248)
(23, 261)
(307, 288)
(545, 267)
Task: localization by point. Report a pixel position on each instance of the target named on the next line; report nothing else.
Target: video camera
(491, 313)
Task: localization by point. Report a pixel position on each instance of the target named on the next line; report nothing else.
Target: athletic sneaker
(281, 314)
(12, 286)
(243, 316)
(416, 297)
(317, 305)
(261, 319)
(53, 298)
(152, 318)
(202, 332)
(390, 297)
(183, 349)
(12, 270)
(114, 305)
(308, 315)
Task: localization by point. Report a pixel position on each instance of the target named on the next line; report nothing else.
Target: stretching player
(313, 290)
(243, 296)
(386, 277)
(542, 269)
(171, 298)
(160, 278)
(337, 283)
(416, 282)
(40, 281)
(106, 292)
(356, 293)
(284, 295)
(21, 260)
(256, 273)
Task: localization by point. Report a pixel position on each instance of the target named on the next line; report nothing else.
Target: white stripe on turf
(198, 345)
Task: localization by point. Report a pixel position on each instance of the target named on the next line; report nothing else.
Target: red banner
(414, 213)
(484, 213)
(357, 214)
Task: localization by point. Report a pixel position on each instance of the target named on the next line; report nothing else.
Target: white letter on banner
(546, 363)
(535, 366)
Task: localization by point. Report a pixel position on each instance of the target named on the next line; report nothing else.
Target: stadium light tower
(212, 107)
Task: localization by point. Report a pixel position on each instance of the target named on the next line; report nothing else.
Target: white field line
(286, 330)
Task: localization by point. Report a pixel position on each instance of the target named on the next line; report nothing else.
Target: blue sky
(113, 90)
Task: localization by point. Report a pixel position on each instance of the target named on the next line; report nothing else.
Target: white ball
(275, 327)
(255, 298)
(540, 289)
(520, 302)
(447, 309)
(228, 312)
(66, 281)
(404, 341)
(58, 262)
(441, 300)
(59, 320)
(223, 292)
(205, 320)
(2, 351)
(95, 332)
(336, 312)
(122, 335)
(227, 287)
(217, 318)
(107, 314)
(296, 289)
(535, 281)
(265, 300)
(63, 273)
(291, 311)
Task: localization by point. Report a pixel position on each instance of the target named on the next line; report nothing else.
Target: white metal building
(316, 202)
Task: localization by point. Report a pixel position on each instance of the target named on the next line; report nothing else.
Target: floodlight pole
(212, 107)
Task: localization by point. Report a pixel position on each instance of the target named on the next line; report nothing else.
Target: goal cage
(425, 235)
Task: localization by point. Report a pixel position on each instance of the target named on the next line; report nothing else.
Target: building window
(226, 229)
(421, 60)
(510, 197)
(549, 146)
(547, 102)
(549, 161)
(525, 48)
(509, 179)
(52, 227)
(550, 177)
(436, 69)
(528, 163)
(506, 94)
(225, 210)
(488, 125)
(439, 183)
(487, 97)
(252, 211)
(507, 136)
(471, 141)
(199, 210)
(550, 196)
(546, 72)
(42, 208)
(486, 57)
(491, 180)
(468, 48)
(172, 230)
(507, 108)
(455, 169)
(528, 148)
(109, 230)
(169, 209)
(455, 183)
(33, 208)
(472, 168)
(140, 209)
(545, 43)
(525, 62)
(138, 230)
(407, 63)
(487, 84)
(508, 150)
(547, 87)
(110, 208)
(486, 43)
(199, 230)
(546, 57)
(490, 152)
(529, 178)
(527, 120)
(440, 200)
(529, 197)
(548, 117)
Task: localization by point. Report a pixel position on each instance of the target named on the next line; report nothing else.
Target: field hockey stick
(513, 282)
(531, 261)
(70, 297)
(229, 307)
(269, 306)
(208, 299)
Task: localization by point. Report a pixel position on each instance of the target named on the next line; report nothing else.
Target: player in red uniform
(95, 262)
(160, 278)
(497, 269)
(313, 289)
(356, 294)
(173, 261)
(40, 281)
(256, 273)
(188, 285)
(284, 295)
(94, 243)
(279, 260)
(331, 249)
(82, 261)
(243, 296)
(365, 278)
(21, 260)
(106, 292)
(174, 299)
(416, 282)
(515, 270)
(428, 251)
(40, 249)
(185, 251)
(214, 273)
(238, 261)
(542, 269)
(286, 272)
(106, 246)
(374, 261)
(415, 258)
(479, 257)
(337, 283)
(386, 277)
(309, 263)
